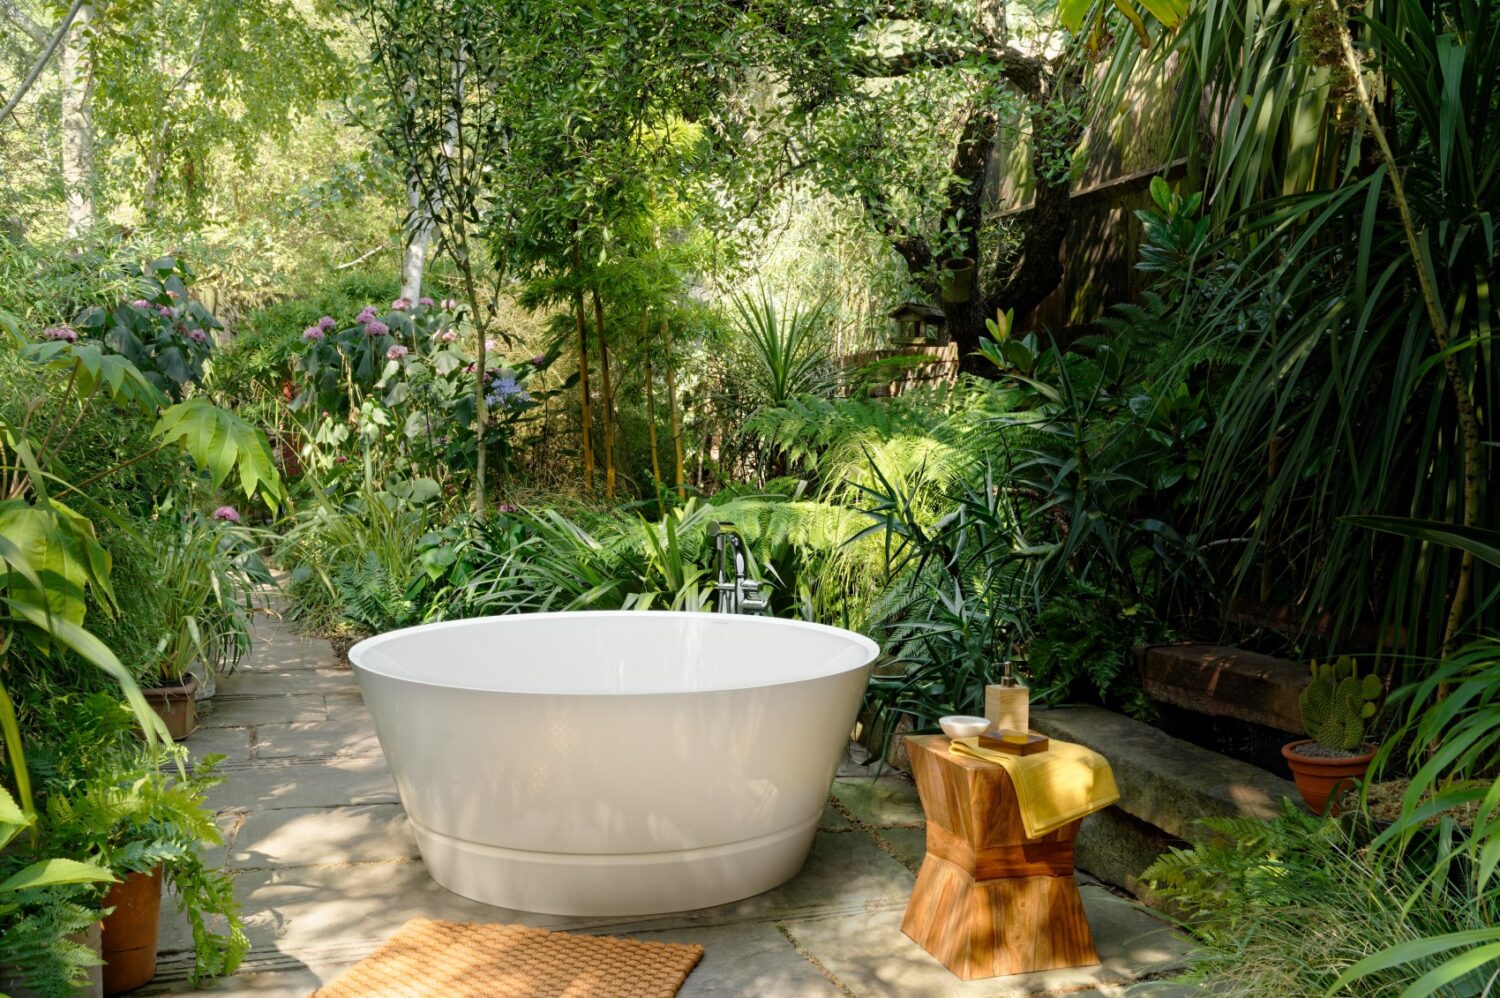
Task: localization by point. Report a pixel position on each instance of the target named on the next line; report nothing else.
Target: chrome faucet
(737, 592)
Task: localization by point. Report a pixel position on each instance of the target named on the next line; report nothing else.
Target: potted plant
(49, 933)
(209, 574)
(957, 279)
(139, 812)
(1336, 706)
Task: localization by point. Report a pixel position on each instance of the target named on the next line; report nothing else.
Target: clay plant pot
(129, 940)
(1321, 779)
(957, 279)
(176, 706)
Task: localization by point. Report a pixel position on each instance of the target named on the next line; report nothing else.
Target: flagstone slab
(325, 783)
(280, 682)
(739, 960)
(232, 743)
(275, 648)
(870, 955)
(880, 801)
(243, 711)
(908, 845)
(314, 836)
(348, 731)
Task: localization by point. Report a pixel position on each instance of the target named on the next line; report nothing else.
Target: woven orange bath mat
(428, 959)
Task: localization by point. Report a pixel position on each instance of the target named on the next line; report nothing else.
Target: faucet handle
(751, 600)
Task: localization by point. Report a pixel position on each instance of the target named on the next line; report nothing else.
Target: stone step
(1166, 781)
(1223, 681)
(1167, 786)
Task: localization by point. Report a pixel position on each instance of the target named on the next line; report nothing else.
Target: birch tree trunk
(77, 70)
(419, 237)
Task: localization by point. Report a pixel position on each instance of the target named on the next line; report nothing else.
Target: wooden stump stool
(990, 901)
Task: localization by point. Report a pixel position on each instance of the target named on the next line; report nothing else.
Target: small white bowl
(963, 725)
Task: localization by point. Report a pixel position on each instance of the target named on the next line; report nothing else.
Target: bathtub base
(629, 884)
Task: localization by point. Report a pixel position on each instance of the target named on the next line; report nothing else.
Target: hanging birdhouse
(914, 323)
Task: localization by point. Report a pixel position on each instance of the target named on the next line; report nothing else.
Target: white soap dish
(963, 725)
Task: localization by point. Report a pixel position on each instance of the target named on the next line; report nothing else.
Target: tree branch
(19, 17)
(42, 60)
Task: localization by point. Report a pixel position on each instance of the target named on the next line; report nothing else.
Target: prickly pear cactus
(1337, 703)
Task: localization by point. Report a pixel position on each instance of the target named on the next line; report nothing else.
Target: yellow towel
(1054, 787)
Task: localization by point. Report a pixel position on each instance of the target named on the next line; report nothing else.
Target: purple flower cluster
(396, 352)
(326, 323)
(448, 336)
(506, 391)
(401, 304)
(64, 332)
(376, 328)
(538, 360)
(140, 303)
(312, 333)
(426, 302)
(197, 336)
(366, 314)
(228, 513)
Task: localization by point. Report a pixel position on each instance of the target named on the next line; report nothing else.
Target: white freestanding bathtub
(613, 763)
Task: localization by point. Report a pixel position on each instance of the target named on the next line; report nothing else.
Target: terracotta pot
(130, 931)
(1320, 779)
(10, 977)
(176, 706)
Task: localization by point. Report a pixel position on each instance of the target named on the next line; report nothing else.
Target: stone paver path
(326, 868)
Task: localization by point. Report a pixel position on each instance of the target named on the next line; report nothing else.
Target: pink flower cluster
(366, 314)
(396, 352)
(197, 336)
(312, 333)
(401, 304)
(64, 332)
(227, 513)
(375, 327)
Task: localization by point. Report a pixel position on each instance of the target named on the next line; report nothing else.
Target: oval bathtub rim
(870, 647)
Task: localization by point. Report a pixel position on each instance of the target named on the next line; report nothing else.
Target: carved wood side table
(989, 901)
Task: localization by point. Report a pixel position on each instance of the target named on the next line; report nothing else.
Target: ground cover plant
(471, 308)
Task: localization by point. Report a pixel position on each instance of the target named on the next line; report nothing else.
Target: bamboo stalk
(1468, 421)
(666, 333)
(583, 371)
(608, 398)
(651, 410)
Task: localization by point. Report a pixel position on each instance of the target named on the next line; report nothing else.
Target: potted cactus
(1336, 707)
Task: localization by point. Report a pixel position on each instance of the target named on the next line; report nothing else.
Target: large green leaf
(1482, 544)
(1481, 943)
(222, 444)
(56, 873)
(13, 818)
(58, 546)
(1071, 14)
(93, 368)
